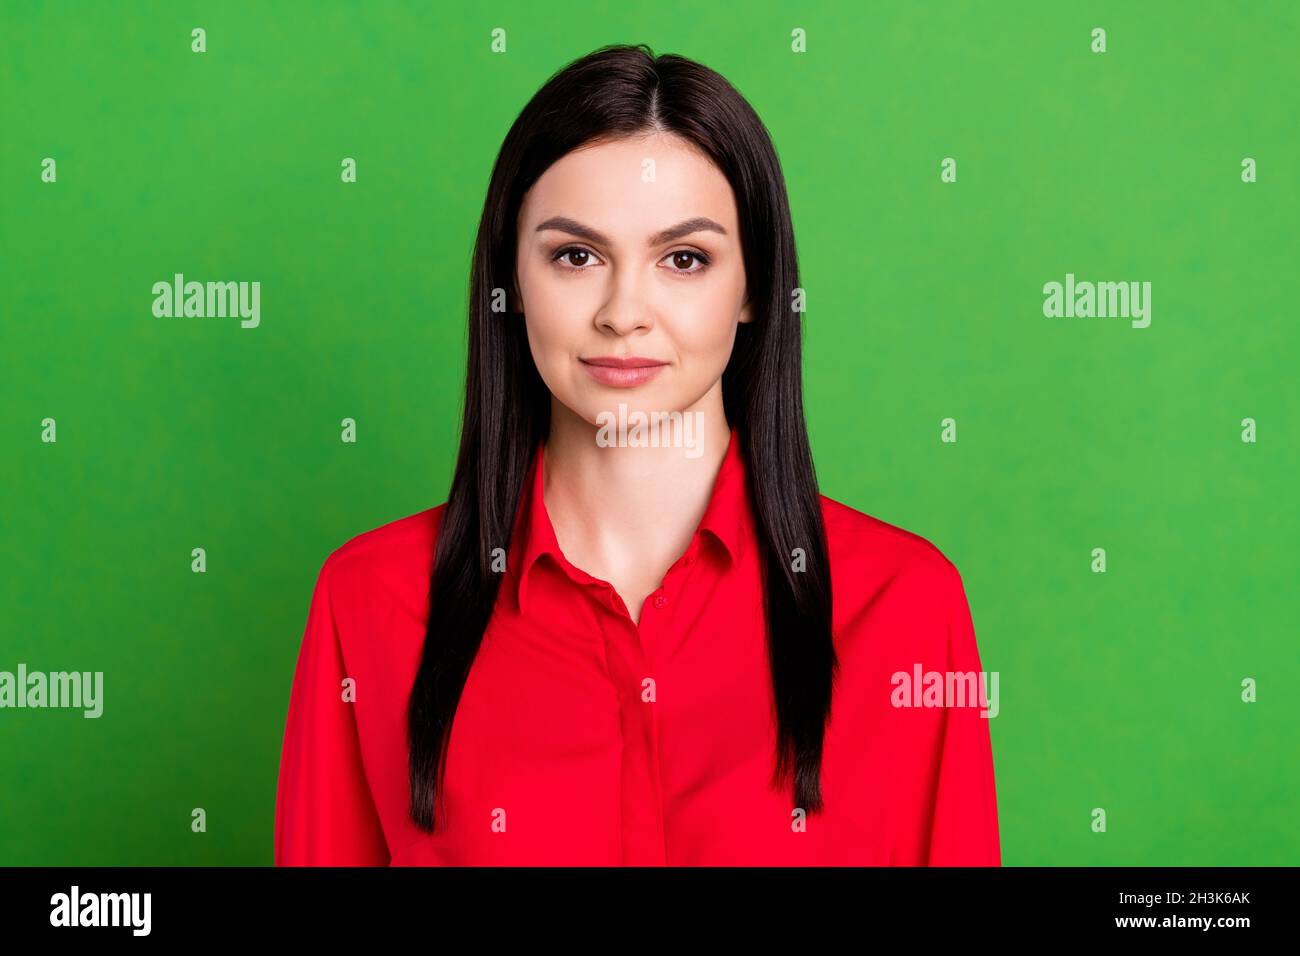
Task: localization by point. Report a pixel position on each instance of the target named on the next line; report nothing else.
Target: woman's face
(630, 271)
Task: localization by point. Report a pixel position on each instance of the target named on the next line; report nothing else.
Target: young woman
(636, 634)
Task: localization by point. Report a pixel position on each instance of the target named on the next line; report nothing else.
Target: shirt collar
(728, 518)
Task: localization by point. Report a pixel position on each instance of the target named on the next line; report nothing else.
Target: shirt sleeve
(324, 815)
(964, 819)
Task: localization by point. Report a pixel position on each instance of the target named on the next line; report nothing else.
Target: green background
(1118, 690)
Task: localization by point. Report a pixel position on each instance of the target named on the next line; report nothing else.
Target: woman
(626, 601)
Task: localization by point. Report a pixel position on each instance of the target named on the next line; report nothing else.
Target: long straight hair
(613, 92)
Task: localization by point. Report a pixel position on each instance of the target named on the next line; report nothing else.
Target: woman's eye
(681, 261)
(573, 257)
(577, 259)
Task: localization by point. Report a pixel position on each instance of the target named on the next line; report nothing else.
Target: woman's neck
(624, 514)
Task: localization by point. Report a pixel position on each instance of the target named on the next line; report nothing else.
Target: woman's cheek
(544, 346)
(707, 333)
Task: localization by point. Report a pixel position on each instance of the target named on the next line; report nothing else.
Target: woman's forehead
(632, 188)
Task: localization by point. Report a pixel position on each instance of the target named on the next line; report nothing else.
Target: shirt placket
(630, 655)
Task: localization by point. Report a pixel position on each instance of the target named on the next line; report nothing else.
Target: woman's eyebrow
(683, 228)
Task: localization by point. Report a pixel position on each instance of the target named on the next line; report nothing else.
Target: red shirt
(556, 757)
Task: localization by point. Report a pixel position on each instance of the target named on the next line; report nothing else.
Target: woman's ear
(746, 311)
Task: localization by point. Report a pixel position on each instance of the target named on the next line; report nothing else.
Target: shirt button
(660, 601)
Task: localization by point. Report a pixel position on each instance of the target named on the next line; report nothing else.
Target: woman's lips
(622, 372)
